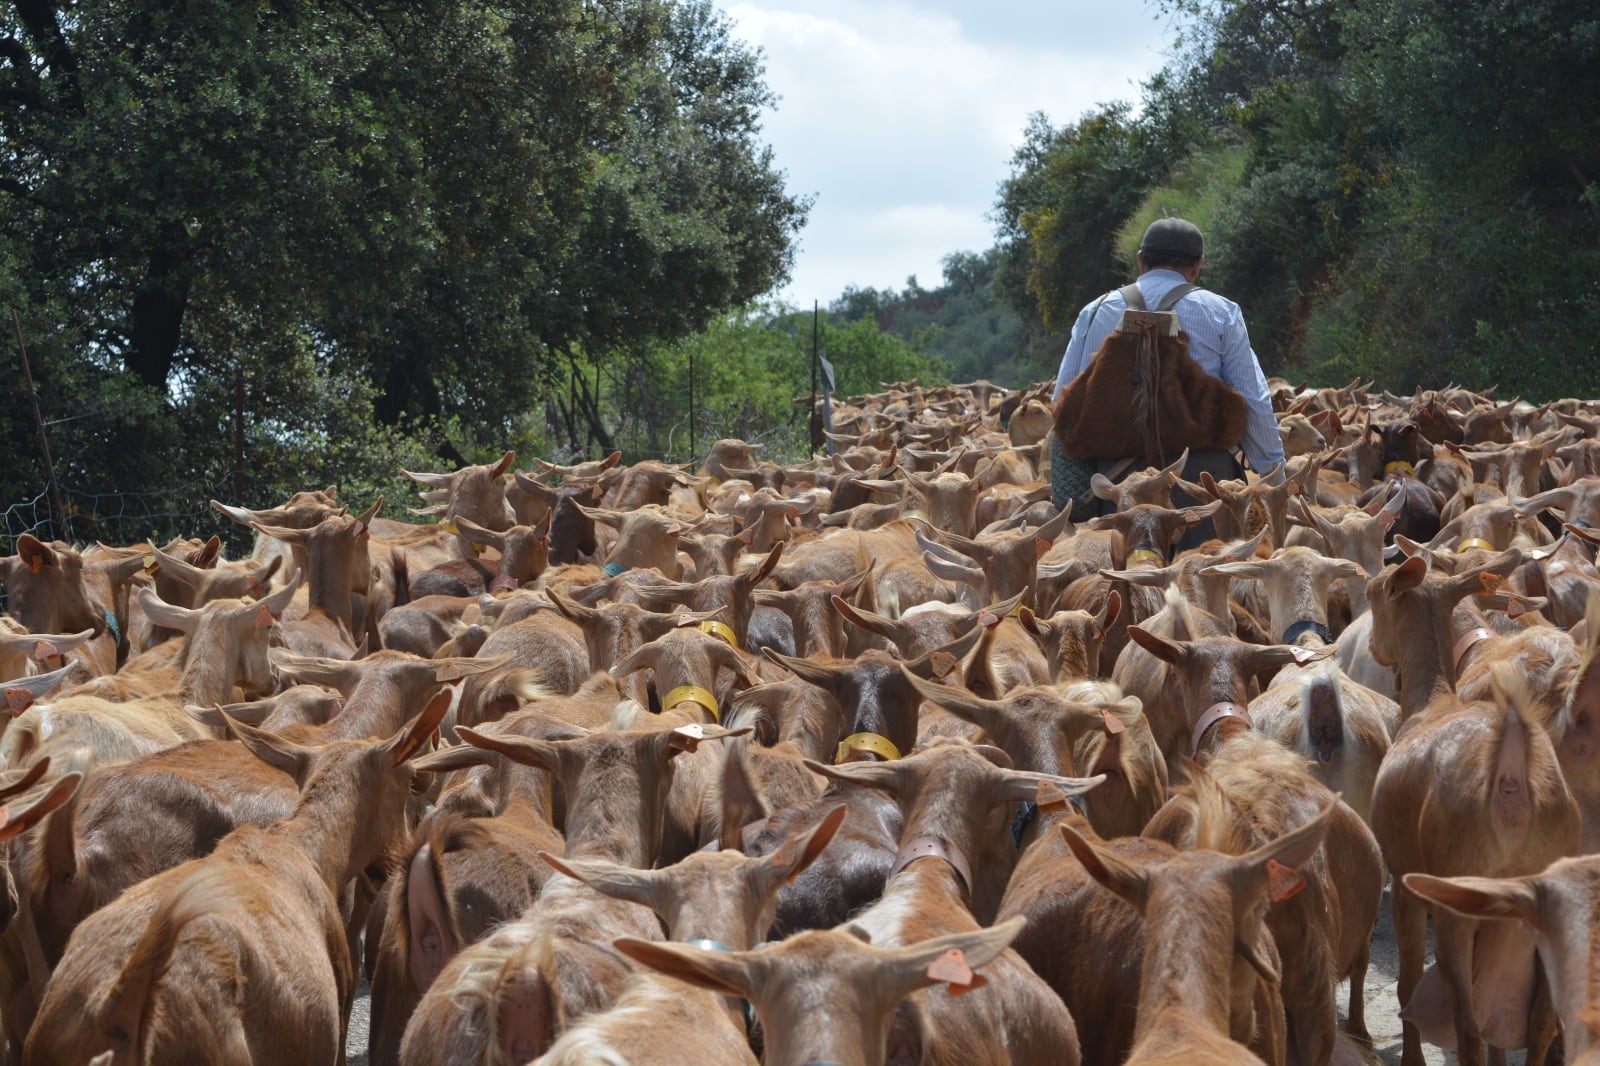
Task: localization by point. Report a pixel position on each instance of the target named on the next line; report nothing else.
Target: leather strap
(935, 847)
(1214, 714)
(880, 746)
(504, 582)
(692, 694)
(1133, 296)
(1469, 640)
(1291, 634)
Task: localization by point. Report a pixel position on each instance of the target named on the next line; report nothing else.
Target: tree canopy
(431, 207)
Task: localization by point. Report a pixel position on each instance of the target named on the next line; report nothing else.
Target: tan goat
(1469, 789)
(147, 977)
(1185, 1005)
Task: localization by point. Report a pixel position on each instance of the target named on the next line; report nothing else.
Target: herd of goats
(876, 758)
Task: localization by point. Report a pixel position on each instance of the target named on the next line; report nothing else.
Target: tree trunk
(155, 321)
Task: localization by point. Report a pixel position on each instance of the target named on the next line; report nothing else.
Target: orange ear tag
(1489, 582)
(1516, 609)
(951, 968)
(448, 672)
(264, 617)
(1283, 882)
(942, 662)
(19, 700)
(1049, 797)
(1113, 723)
(34, 562)
(151, 564)
(44, 651)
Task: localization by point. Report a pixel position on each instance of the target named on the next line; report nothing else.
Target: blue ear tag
(111, 624)
(614, 569)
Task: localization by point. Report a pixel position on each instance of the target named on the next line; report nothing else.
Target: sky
(901, 118)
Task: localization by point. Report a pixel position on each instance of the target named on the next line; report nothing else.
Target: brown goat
(1185, 1006)
(142, 977)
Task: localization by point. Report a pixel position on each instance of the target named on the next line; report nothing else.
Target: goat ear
(459, 757)
(1409, 574)
(612, 879)
(884, 776)
(1023, 785)
(815, 673)
(988, 715)
(951, 959)
(166, 614)
(20, 782)
(30, 816)
(796, 853)
(1293, 850)
(1480, 897)
(408, 741)
(1169, 651)
(641, 657)
(273, 750)
(1126, 880)
(525, 750)
(720, 971)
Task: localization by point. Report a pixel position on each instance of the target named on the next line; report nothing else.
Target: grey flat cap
(1174, 235)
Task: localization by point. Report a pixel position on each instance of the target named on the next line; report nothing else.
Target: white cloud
(902, 121)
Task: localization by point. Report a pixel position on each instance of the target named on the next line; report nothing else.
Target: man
(1171, 256)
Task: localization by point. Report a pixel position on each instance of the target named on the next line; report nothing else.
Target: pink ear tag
(264, 617)
(1302, 655)
(44, 651)
(951, 968)
(1283, 882)
(19, 700)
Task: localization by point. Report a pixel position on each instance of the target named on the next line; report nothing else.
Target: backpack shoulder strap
(1132, 296)
(1171, 298)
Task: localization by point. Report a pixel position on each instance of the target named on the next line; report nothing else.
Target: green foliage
(965, 322)
(749, 370)
(1399, 189)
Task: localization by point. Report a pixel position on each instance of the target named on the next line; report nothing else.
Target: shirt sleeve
(1078, 350)
(1242, 370)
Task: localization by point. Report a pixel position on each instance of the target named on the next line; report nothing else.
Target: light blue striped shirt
(1218, 341)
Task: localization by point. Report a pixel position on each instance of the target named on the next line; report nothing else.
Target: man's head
(1172, 243)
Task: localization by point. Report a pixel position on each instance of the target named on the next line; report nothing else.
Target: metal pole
(692, 452)
(58, 511)
(811, 419)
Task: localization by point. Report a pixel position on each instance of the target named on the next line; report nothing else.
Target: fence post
(58, 512)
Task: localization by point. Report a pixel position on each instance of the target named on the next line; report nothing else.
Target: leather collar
(1469, 640)
(1214, 714)
(1307, 626)
(937, 847)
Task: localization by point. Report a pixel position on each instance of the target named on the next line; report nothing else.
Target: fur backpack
(1143, 396)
